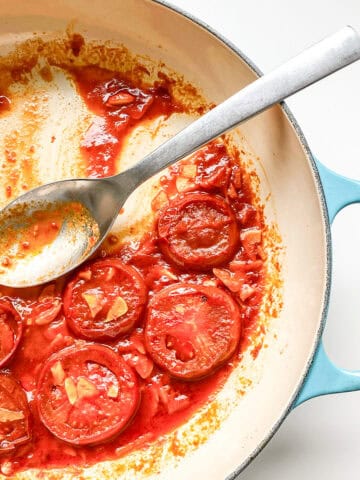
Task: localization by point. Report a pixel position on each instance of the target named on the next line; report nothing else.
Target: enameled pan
(294, 367)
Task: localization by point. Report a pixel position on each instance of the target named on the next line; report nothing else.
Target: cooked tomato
(83, 355)
(86, 394)
(10, 331)
(104, 300)
(191, 329)
(198, 231)
(14, 414)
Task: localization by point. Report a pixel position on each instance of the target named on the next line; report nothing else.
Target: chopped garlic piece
(159, 201)
(7, 468)
(251, 235)
(189, 171)
(179, 309)
(58, 373)
(169, 274)
(110, 274)
(85, 388)
(47, 293)
(183, 184)
(71, 391)
(246, 292)
(209, 283)
(85, 275)
(10, 415)
(113, 391)
(94, 301)
(117, 309)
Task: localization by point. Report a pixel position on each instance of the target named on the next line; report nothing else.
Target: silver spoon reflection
(87, 208)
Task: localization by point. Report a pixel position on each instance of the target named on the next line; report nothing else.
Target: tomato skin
(198, 231)
(10, 331)
(12, 398)
(192, 329)
(91, 419)
(126, 283)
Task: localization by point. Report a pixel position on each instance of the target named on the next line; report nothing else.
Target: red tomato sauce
(166, 401)
(119, 107)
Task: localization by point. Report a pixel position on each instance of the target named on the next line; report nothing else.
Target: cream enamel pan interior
(286, 172)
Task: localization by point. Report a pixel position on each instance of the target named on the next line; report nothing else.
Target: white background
(320, 439)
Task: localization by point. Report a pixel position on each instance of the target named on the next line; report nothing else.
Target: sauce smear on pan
(118, 106)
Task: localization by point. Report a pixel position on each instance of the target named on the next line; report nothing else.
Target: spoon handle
(313, 64)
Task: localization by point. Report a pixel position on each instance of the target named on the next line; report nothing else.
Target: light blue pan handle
(324, 377)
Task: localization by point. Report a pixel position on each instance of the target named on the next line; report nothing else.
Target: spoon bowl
(75, 216)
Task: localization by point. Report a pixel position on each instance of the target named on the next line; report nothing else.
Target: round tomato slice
(86, 394)
(104, 300)
(14, 414)
(10, 331)
(198, 231)
(191, 329)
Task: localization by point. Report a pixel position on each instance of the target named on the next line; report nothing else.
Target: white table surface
(320, 439)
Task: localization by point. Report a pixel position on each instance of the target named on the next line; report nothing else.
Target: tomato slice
(86, 394)
(10, 331)
(198, 231)
(191, 329)
(104, 300)
(14, 414)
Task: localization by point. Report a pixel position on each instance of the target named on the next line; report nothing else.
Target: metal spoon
(102, 198)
